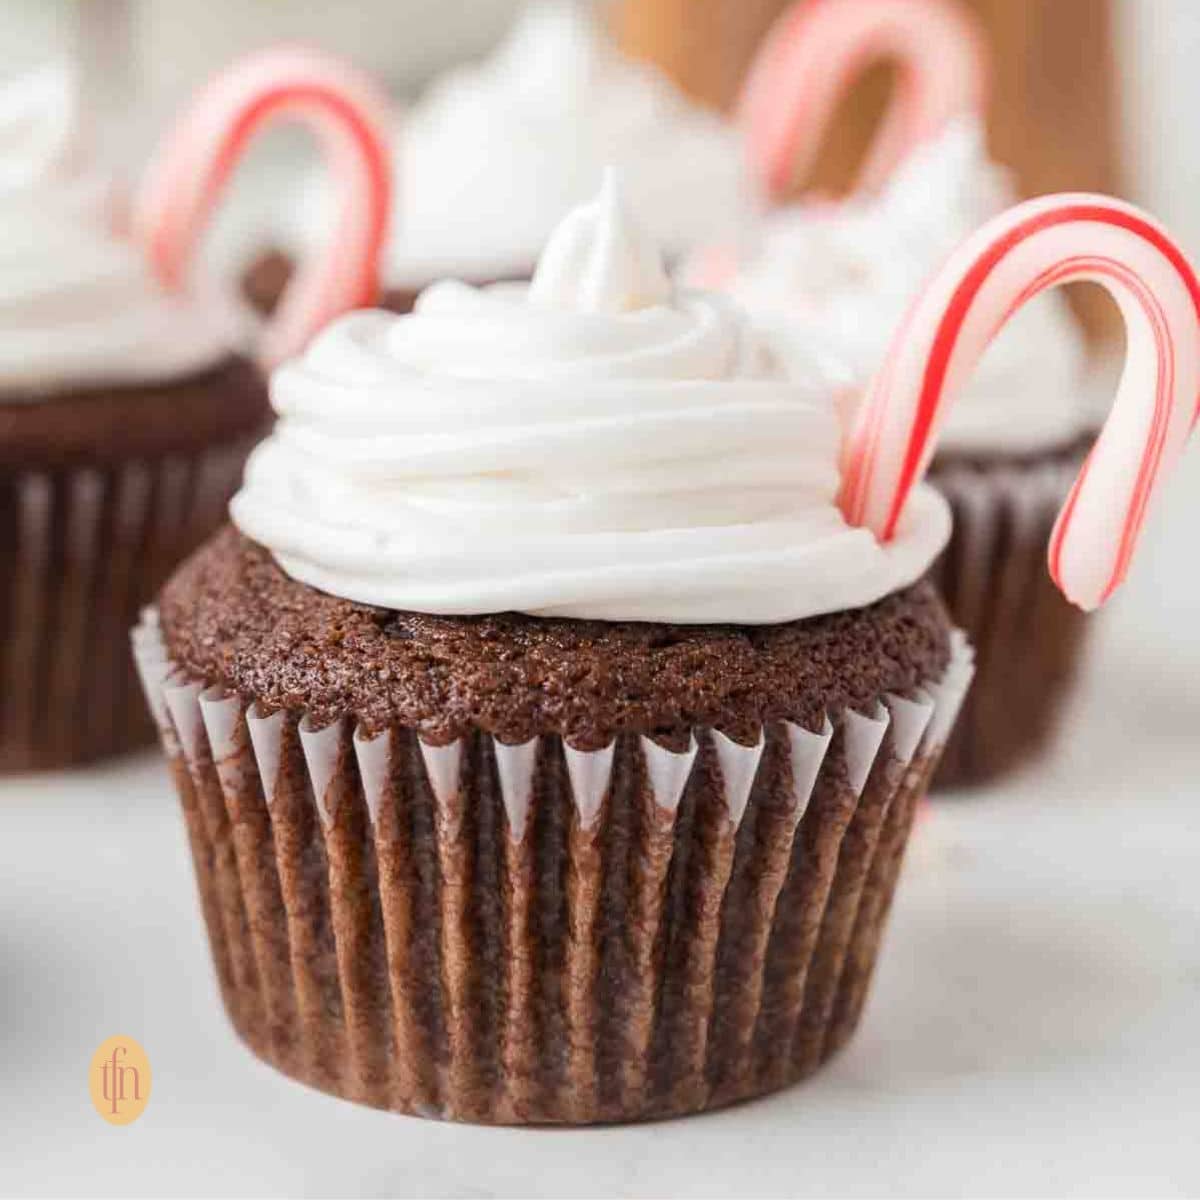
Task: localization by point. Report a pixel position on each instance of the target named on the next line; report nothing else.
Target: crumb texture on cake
(230, 615)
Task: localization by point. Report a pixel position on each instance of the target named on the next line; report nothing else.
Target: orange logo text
(119, 1080)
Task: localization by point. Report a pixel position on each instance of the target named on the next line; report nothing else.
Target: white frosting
(493, 155)
(595, 444)
(845, 275)
(600, 261)
(78, 304)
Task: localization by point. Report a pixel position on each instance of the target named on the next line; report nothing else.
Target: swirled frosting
(492, 156)
(78, 305)
(846, 274)
(595, 444)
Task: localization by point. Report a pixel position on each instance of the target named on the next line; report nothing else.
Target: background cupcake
(844, 273)
(622, 850)
(493, 153)
(127, 405)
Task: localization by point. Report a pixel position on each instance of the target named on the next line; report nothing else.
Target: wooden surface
(1053, 113)
(704, 45)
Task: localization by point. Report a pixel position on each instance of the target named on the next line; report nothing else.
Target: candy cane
(819, 47)
(1032, 247)
(351, 119)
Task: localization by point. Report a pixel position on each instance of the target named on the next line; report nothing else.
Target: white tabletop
(1032, 1027)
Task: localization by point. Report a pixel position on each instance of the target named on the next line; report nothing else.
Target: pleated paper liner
(82, 551)
(1028, 639)
(530, 933)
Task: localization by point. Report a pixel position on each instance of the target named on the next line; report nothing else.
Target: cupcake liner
(83, 550)
(1028, 639)
(533, 933)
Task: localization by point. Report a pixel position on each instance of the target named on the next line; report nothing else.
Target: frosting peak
(600, 260)
(596, 445)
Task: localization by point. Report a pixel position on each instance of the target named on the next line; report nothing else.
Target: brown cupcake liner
(1028, 639)
(83, 550)
(532, 933)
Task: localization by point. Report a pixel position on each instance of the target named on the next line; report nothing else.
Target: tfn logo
(120, 1080)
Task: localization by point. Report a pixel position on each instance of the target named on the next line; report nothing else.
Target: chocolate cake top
(230, 615)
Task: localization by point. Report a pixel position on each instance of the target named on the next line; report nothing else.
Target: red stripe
(1151, 458)
(871, 37)
(874, 46)
(875, 411)
(956, 312)
(819, 47)
(1054, 558)
(374, 156)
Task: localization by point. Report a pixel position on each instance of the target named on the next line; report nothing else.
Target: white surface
(1031, 1029)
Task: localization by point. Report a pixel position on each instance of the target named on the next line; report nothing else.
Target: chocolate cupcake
(556, 766)
(125, 417)
(842, 275)
(493, 153)
(128, 404)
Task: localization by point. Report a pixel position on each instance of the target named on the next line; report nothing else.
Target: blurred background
(1095, 93)
(1087, 94)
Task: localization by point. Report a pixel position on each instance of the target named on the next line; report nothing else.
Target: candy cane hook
(1034, 246)
(351, 120)
(818, 48)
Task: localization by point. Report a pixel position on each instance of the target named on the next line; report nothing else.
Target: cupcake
(548, 742)
(493, 154)
(127, 407)
(549, 725)
(844, 274)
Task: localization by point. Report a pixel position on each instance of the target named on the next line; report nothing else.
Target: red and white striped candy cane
(351, 119)
(1032, 247)
(818, 48)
